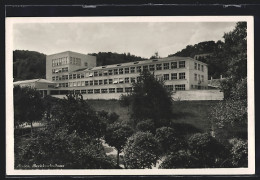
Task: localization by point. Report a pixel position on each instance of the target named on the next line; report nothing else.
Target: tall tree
(150, 100)
(116, 136)
(28, 106)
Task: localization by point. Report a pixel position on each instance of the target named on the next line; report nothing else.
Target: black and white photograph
(130, 95)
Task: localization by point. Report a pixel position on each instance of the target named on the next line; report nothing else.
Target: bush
(141, 151)
(146, 125)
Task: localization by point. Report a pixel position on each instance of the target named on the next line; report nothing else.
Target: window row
(65, 60)
(198, 87)
(103, 91)
(198, 77)
(179, 87)
(60, 70)
(172, 76)
(198, 66)
(138, 69)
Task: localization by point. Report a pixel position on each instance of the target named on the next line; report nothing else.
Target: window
(127, 80)
(195, 77)
(169, 87)
(103, 90)
(53, 78)
(166, 77)
(100, 82)
(100, 73)
(132, 80)
(111, 90)
(86, 83)
(115, 71)
(90, 91)
(199, 67)
(105, 73)
(70, 76)
(145, 68)
(110, 72)
(66, 77)
(91, 83)
(126, 70)
(78, 76)
(95, 82)
(202, 78)
(159, 77)
(158, 66)
(86, 64)
(119, 90)
(95, 73)
(74, 76)
(195, 65)
(115, 81)
(96, 91)
(182, 75)
(84, 91)
(78, 83)
(82, 76)
(173, 65)
(138, 68)
(105, 81)
(202, 68)
(180, 87)
(110, 81)
(165, 65)
(182, 64)
(151, 67)
(82, 83)
(121, 80)
(77, 91)
(128, 89)
(70, 84)
(121, 71)
(199, 77)
(132, 69)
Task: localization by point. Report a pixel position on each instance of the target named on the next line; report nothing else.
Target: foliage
(230, 113)
(28, 106)
(56, 146)
(179, 159)
(109, 118)
(169, 139)
(150, 100)
(146, 125)
(239, 153)
(141, 151)
(28, 65)
(208, 150)
(76, 115)
(116, 135)
(108, 58)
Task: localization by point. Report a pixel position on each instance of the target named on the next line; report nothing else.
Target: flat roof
(33, 80)
(142, 62)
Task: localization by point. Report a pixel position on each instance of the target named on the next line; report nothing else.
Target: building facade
(78, 73)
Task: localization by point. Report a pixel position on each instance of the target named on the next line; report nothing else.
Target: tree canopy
(149, 100)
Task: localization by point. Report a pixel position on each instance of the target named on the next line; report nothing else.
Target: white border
(213, 171)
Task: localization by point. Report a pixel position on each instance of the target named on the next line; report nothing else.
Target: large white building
(78, 73)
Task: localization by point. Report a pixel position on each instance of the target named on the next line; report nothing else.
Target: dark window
(96, 91)
(132, 69)
(83, 91)
(111, 90)
(103, 90)
(105, 81)
(127, 80)
(86, 83)
(95, 82)
(119, 90)
(100, 82)
(90, 91)
(158, 66)
(115, 71)
(126, 70)
(166, 77)
(166, 66)
(182, 64)
(121, 71)
(181, 75)
(180, 87)
(151, 67)
(110, 72)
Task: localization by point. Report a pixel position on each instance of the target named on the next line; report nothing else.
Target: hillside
(31, 64)
(28, 65)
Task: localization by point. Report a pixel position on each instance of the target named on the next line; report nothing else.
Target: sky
(138, 38)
